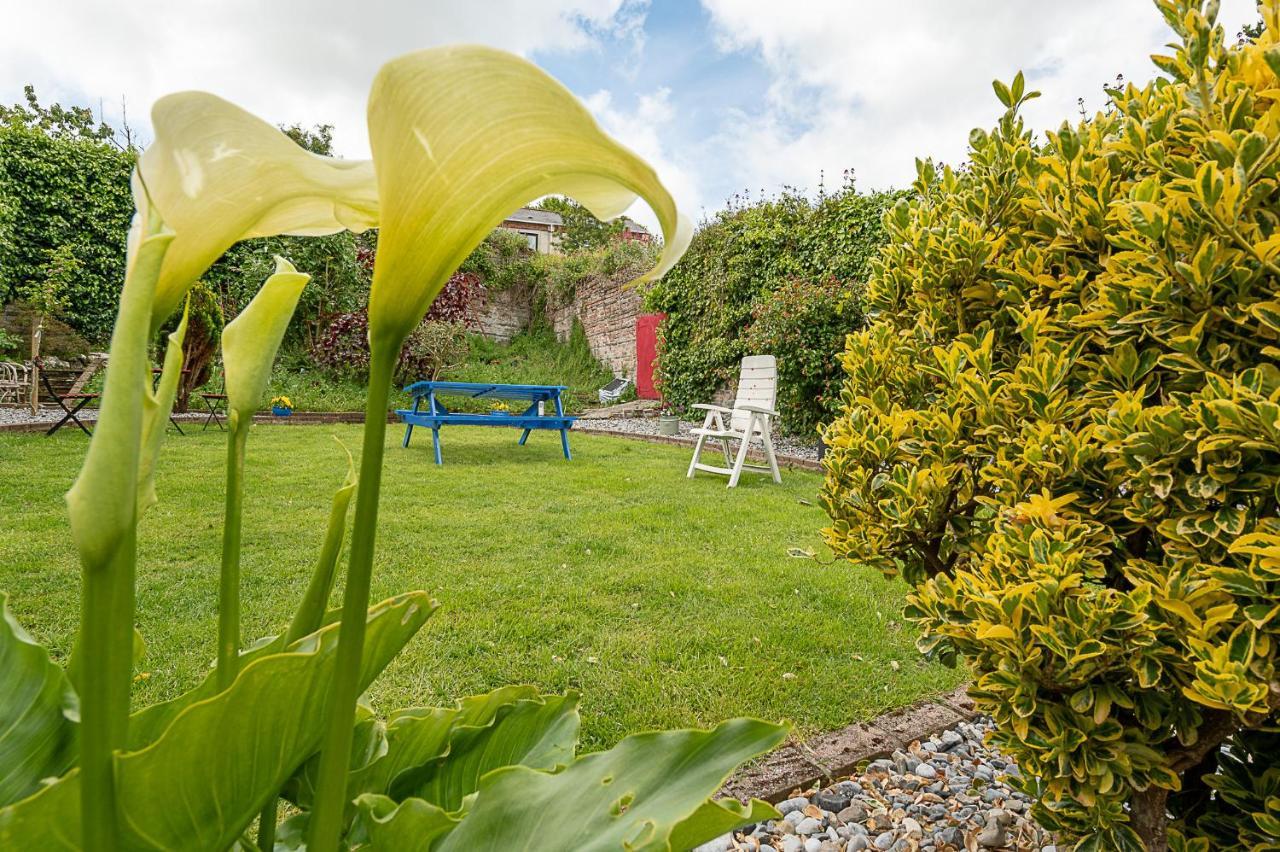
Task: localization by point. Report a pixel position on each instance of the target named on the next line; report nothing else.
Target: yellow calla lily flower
(218, 174)
(461, 137)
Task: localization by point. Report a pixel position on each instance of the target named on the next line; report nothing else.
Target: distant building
(633, 231)
(539, 228)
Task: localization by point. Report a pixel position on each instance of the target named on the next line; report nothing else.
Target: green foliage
(1061, 430)
(64, 192)
(200, 345)
(734, 265)
(434, 346)
(461, 777)
(803, 323)
(504, 262)
(581, 231)
(10, 343)
(537, 357)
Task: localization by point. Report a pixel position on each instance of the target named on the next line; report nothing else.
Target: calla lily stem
(330, 800)
(229, 581)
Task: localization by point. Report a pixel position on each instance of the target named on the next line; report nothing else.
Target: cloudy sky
(721, 95)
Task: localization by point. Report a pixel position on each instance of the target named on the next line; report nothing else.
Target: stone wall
(607, 308)
(504, 314)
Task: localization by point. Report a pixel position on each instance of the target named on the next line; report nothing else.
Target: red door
(647, 354)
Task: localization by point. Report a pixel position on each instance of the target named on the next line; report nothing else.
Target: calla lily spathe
(218, 174)
(461, 137)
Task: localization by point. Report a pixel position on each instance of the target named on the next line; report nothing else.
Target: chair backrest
(757, 385)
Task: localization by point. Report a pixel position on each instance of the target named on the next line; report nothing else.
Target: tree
(48, 298)
(582, 231)
(1062, 430)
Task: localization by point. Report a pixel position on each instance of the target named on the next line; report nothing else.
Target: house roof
(541, 217)
(633, 226)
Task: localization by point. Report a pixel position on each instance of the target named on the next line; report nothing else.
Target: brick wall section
(607, 308)
(503, 314)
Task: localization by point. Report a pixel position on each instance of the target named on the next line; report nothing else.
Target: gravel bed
(46, 415)
(945, 793)
(49, 415)
(783, 445)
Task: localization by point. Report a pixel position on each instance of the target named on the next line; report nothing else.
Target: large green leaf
(381, 754)
(638, 795)
(39, 713)
(205, 779)
(540, 733)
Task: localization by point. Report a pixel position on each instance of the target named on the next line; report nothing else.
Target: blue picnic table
(436, 414)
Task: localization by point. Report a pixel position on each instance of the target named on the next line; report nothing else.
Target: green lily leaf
(218, 174)
(311, 611)
(245, 742)
(103, 501)
(719, 817)
(39, 713)
(540, 733)
(410, 738)
(413, 824)
(250, 341)
(461, 137)
(638, 795)
(157, 406)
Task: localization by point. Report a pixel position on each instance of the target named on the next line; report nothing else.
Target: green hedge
(737, 261)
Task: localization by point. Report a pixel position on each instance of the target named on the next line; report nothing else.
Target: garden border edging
(797, 765)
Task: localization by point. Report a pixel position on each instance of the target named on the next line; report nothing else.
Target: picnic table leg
(408, 430)
(176, 426)
(564, 433)
(435, 441)
(525, 436)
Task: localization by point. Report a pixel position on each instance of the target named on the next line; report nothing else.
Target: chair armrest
(756, 409)
(720, 408)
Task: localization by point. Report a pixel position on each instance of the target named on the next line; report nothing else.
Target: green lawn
(665, 601)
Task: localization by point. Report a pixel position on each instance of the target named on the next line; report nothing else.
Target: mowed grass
(665, 601)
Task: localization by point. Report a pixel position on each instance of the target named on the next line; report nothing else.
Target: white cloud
(287, 61)
(645, 129)
(871, 85)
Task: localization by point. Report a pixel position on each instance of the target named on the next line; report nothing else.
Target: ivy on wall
(737, 263)
(64, 192)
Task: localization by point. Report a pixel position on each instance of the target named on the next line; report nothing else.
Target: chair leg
(728, 454)
(767, 434)
(697, 450)
(742, 453)
(176, 426)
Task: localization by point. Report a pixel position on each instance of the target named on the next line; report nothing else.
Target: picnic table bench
(436, 414)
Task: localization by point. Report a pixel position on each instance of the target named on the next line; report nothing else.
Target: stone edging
(784, 460)
(799, 765)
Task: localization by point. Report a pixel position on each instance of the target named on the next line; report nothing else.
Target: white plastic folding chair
(751, 418)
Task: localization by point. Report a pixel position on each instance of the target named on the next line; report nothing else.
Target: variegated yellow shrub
(1062, 428)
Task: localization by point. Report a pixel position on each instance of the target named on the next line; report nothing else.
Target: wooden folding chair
(62, 396)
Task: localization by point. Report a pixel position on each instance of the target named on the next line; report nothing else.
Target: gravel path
(945, 793)
(787, 446)
(49, 415)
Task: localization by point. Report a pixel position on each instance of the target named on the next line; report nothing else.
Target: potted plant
(281, 406)
(500, 409)
(668, 422)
